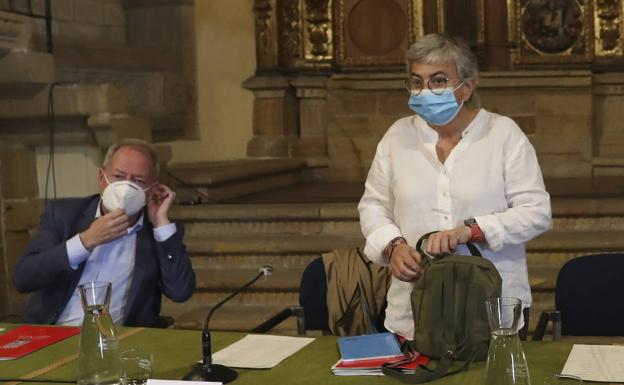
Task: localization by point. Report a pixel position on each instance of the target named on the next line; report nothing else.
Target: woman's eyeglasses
(437, 85)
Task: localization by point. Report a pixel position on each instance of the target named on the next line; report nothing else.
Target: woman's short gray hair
(142, 145)
(438, 48)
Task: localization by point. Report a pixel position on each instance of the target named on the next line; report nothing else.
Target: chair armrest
(163, 322)
(269, 324)
(542, 323)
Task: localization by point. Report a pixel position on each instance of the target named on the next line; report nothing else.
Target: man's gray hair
(438, 48)
(142, 145)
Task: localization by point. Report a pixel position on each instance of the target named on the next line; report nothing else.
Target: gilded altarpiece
(568, 32)
(608, 29)
(551, 31)
(537, 58)
(375, 32)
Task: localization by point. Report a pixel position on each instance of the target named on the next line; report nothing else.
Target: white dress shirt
(491, 175)
(111, 262)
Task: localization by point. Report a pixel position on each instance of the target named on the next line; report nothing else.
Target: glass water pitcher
(98, 359)
(506, 363)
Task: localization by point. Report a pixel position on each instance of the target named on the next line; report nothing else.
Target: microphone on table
(206, 370)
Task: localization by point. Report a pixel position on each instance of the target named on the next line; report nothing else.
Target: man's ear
(101, 179)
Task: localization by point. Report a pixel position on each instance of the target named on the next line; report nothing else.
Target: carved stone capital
(310, 87)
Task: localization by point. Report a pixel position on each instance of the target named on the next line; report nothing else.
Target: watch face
(470, 222)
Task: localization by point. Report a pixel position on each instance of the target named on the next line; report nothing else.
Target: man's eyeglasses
(437, 85)
(116, 177)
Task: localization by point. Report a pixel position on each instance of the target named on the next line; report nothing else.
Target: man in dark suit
(122, 236)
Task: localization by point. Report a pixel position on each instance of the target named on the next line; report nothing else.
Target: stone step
(244, 317)
(228, 276)
(352, 227)
(248, 310)
(559, 241)
(342, 218)
(268, 244)
(242, 313)
(585, 187)
(561, 208)
(227, 272)
(219, 275)
(575, 241)
(223, 180)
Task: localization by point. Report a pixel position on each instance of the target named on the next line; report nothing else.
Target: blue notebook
(379, 345)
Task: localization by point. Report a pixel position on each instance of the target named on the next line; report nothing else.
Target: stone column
(274, 116)
(20, 208)
(312, 141)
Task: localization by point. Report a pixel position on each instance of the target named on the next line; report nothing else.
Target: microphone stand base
(217, 373)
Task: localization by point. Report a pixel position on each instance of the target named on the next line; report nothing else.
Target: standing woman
(469, 173)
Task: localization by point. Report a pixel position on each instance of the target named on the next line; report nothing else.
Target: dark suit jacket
(44, 270)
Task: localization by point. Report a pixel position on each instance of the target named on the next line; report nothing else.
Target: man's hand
(444, 242)
(159, 200)
(405, 263)
(105, 229)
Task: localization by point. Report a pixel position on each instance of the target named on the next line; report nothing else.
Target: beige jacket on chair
(356, 291)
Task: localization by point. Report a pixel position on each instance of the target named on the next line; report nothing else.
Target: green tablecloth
(175, 352)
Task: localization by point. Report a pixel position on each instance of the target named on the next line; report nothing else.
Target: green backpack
(450, 319)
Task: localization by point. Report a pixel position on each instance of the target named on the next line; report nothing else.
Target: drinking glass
(137, 366)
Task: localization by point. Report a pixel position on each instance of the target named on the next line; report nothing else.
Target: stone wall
(225, 58)
(20, 212)
(571, 117)
(86, 20)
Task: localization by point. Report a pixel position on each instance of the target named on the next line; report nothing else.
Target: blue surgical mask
(436, 109)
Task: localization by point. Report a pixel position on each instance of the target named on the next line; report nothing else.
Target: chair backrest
(313, 296)
(588, 295)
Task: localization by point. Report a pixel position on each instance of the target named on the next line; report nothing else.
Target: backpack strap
(424, 374)
(427, 257)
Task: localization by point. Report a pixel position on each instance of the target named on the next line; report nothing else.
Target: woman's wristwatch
(476, 233)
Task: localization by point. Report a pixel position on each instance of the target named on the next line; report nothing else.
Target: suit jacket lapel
(88, 216)
(83, 223)
(141, 259)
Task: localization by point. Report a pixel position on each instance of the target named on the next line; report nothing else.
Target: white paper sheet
(259, 351)
(602, 363)
(175, 382)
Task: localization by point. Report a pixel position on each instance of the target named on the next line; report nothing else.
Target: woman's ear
(468, 89)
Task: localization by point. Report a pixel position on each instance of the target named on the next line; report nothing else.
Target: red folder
(377, 362)
(26, 339)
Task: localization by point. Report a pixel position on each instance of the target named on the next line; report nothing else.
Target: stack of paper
(260, 351)
(601, 363)
(373, 367)
(369, 346)
(364, 355)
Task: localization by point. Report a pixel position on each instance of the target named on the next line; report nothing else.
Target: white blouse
(491, 175)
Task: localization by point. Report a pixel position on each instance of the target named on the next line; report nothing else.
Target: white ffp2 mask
(125, 195)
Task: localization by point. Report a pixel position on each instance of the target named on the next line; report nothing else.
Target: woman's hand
(405, 263)
(444, 242)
